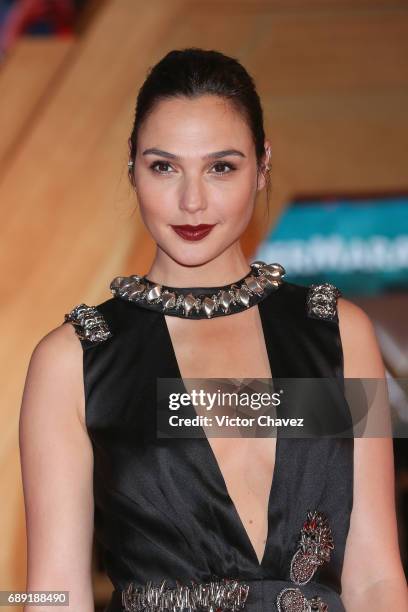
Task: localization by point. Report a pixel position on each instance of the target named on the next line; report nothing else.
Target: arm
(57, 466)
(373, 576)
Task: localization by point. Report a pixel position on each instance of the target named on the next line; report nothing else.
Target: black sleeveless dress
(162, 510)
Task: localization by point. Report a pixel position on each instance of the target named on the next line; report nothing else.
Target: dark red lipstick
(193, 232)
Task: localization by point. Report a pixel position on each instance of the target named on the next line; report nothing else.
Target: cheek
(155, 200)
(149, 186)
(236, 201)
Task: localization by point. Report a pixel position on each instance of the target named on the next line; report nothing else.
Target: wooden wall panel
(26, 78)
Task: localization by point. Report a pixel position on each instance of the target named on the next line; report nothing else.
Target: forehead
(207, 120)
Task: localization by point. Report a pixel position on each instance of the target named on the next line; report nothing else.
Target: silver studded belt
(227, 595)
(215, 596)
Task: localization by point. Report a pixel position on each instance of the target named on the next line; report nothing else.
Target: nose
(192, 195)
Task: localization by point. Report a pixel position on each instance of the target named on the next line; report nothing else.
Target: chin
(193, 255)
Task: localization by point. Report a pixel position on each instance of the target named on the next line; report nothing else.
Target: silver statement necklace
(201, 302)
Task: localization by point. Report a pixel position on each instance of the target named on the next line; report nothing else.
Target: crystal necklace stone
(201, 302)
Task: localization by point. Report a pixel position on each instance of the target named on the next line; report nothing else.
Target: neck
(223, 270)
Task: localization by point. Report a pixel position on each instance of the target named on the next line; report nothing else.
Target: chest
(232, 347)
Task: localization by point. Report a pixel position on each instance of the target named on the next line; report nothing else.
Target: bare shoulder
(351, 316)
(373, 525)
(362, 356)
(63, 336)
(56, 463)
(55, 370)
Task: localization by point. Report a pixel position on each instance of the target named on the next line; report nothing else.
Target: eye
(155, 165)
(160, 166)
(224, 165)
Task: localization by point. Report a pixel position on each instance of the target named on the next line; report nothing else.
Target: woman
(219, 520)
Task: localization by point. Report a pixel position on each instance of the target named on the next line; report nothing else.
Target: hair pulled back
(193, 72)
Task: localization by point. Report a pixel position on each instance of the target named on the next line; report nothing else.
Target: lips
(193, 232)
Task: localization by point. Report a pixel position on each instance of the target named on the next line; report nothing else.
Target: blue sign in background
(360, 245)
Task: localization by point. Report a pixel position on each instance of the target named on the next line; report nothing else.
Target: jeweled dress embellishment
(314, 548)
(291, 599)
(263, 279)
(89, 323)
(315, 545)
(215, 596)
(322, 301)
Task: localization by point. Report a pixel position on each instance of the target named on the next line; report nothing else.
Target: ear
(263, 171)
(129, 145)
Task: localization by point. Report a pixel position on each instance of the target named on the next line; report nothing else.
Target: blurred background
(333, 80)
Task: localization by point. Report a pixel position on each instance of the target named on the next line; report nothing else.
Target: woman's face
(195, 164)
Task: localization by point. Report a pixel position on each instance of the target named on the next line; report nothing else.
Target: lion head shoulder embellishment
(321, 301)
(89, 323)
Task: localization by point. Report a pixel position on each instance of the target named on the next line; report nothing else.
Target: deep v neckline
(262, 310)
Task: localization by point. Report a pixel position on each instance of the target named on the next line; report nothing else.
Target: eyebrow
(215, 155)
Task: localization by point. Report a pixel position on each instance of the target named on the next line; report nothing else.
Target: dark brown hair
(193, 72)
